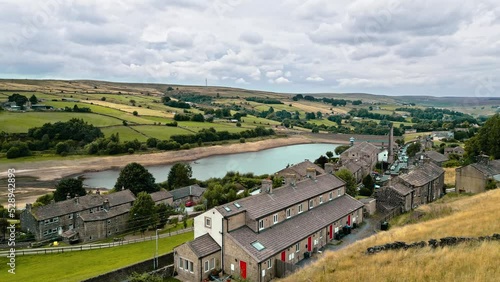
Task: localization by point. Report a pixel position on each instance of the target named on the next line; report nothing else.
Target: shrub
(242, 140)
(135, 113)
(185, 146)
(131, 150)
(13, 153)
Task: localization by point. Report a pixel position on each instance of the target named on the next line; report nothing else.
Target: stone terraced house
(248, 237)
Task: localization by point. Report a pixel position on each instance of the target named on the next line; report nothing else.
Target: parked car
(189, 204)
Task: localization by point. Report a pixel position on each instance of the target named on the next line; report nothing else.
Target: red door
(243, 269)
(283, 256)
(331, 233)
(349, 220)
(309, 244)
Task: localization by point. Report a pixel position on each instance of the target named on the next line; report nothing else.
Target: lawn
(17, 122)
(125, 133)
(76, 266)
(161, 132)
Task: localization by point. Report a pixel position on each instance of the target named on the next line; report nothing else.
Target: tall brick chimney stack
(390, 153)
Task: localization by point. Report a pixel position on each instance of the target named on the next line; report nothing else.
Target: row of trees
(211, 135)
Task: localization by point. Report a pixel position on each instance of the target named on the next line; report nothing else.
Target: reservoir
(263, 162)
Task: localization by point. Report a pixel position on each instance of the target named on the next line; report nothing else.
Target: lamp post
(155, 261)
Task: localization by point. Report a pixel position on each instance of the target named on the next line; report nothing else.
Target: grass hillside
(452, 216)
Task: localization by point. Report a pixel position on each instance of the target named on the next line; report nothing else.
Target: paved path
(366, 230)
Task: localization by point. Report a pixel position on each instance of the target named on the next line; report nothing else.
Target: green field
(76, 266)
(161, 132)
(19, 122)
(125, 133)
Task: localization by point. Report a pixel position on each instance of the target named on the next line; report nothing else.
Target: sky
(437, 48)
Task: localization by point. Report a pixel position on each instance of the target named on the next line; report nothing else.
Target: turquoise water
(262, 162)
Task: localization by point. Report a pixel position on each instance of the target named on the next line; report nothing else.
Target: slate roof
(204, 245)
(263, 204)
(160, 195)
(192, 190)
(296, 229)
(401, 189)
(84, 203)
(436, 156)
(103, 214)
(491, 169)
(300, 169)
(352, 166)
(422, 174)
(363, 148)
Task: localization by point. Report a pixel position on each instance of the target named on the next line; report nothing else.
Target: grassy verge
(472, 216)
(76, 266)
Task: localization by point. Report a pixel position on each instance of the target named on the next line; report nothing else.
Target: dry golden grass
(131, 109)
(449, 176)
(472, 216)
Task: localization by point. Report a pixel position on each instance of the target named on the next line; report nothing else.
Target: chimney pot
(329, 168)
(266, 186)
(311, 173)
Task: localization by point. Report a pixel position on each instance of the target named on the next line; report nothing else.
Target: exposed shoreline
(56, 169)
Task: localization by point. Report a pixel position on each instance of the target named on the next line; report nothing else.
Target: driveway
(366, 230)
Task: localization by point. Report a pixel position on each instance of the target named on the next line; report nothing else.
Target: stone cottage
(475, 177)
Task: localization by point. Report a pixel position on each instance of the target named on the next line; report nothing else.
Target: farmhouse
(301, 170)
(456, 150)
(162, 197)
(426, 181)
(191, 193)
(434, 156)
(85, 218)
(394, 196)
(360, 159)
(282, 225)
(474, 178)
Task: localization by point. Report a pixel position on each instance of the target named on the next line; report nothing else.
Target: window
(269, 263)
(208, 222)
(275, 218)
(54, 230)
(191, 266)
(300, 208)
(181, 264)
(330, 196)
(338, 192)
(47, 221)
(311, 204)
(70, 216)
(288, 213)
(261, 224)
(206, 266)
(109, 221)
(291, 256)
(258, 246)
(321, 234)
(186, 265)
(56, 219)
(45, 233)
(212, 263)
(297, 247)
(263, 272)
(320, 200)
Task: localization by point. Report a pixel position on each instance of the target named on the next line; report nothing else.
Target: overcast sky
(438, 48)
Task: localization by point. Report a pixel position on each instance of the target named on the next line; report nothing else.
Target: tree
(33, 99)
(329, 154)
(340, 149)
(44, 200)
(71, 186)
(143, 212)
(179, 175)
(135, 113)
(136, 178)
(321, 161)
(164, 212)
(62, 148)
(132, 101)
(152, 142)
(487, 140)
(369, 186)
(347, 176)
(103, 98)
(413, 149)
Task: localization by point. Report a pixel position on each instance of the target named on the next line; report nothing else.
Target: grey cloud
(251, 37)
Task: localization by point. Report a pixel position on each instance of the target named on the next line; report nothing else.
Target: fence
(284, 269)
(55, 250)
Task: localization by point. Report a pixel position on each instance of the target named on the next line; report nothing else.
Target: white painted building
(209, 222)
